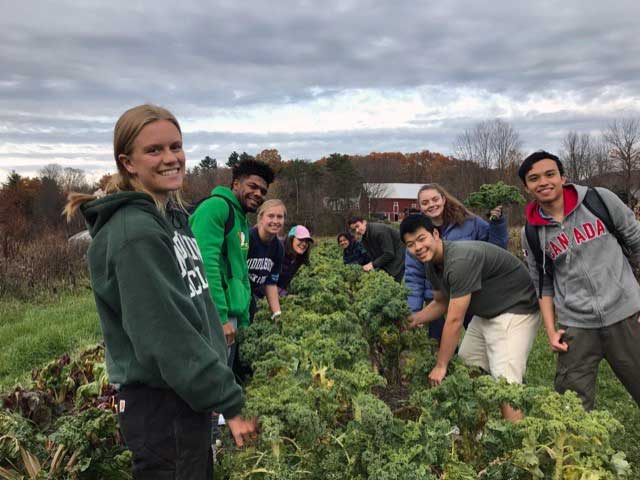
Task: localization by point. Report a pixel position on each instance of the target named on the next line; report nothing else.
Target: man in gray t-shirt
(497, 281)
(490, 283)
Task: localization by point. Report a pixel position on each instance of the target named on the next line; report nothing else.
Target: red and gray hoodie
(593, 284)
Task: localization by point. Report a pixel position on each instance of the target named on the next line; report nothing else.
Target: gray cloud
(69, 69)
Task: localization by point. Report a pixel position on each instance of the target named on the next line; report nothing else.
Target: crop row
(340, 390)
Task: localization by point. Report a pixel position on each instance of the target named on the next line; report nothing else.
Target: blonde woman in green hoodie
(165, 349)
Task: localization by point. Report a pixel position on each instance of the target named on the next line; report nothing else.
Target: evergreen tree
(208, 163)
(13, 180)
(234, 158)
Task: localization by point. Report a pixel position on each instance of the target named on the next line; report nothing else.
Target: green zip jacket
(231, 296)
(159, 325)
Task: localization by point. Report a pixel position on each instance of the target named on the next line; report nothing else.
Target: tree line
(323, 193)
(610, 158)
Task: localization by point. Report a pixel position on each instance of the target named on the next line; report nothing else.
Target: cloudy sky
(309, 78)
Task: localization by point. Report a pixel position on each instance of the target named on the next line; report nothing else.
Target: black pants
(437, 326)
(398, 277)
(167, 438)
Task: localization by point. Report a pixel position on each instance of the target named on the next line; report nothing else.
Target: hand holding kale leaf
(491, 196)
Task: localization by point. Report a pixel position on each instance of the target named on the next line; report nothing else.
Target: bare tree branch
(623, 139)
(492, 144)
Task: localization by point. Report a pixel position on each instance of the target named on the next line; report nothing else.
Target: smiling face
(300, 246)
(157, 160)
(343, 242)
(431, 203)
(250, 192)
(544, 181)
(359, 228)
(271, 220)
(426, 247)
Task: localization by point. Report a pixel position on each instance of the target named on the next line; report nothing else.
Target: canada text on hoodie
(593, 283)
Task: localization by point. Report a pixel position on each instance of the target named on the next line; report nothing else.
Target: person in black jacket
(352, 250)
(383, 244)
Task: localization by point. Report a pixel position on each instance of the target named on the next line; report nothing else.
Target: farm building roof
(405, 191)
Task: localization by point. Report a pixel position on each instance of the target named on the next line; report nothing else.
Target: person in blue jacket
(454, 222)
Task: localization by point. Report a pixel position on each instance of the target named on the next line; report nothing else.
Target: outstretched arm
(450, 337)
(548, 318)
(431, 312)
(415, 280)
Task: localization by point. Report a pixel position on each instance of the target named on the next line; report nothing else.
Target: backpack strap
(531, 233)
(228, 226)
(595, 204)
(231, 217)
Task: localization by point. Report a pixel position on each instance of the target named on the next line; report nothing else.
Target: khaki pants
(619, 344)
(500, 345)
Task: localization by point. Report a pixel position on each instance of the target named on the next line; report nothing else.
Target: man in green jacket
(383, 244)
(225, 256)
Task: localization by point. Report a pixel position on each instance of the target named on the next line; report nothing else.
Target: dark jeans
(619, 344)
(437, 326)
(167, 438)
(241, 369)
(398, 277)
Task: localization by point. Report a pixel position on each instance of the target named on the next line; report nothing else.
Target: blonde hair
(454, 211)
(127, 129)
(271, 204)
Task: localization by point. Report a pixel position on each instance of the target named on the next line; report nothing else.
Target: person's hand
(367, 267)
(229, 333)
(496, 213)
(413, 322)
(437, 375)
(276, 316)
(556, 341)
(242, 430)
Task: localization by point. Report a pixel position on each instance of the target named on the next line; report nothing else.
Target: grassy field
(611, 396)
(33, 333)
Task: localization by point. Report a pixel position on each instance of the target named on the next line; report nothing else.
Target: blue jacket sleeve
(498, 232)
(495, 232)
(415, 280)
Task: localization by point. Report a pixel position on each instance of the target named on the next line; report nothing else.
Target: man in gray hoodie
(591, 287)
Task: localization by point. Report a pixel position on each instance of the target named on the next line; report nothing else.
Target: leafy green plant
(491, 195)
(341, 392)
(55, 429)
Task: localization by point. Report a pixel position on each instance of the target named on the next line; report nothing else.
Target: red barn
(391, 200)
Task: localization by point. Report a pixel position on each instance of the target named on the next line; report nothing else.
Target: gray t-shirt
(497, 281)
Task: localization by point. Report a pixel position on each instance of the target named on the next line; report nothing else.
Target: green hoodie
(230, 296)
(159, 325)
